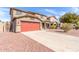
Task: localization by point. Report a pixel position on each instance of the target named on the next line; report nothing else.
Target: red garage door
(29, 26)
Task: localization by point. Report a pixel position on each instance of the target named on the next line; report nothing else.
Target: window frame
(18, 12)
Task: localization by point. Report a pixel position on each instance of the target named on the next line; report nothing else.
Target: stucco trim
(26, 16)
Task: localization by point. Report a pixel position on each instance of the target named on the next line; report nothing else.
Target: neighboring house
(3, 26)
(22, 21)
(53, 20)
(7, 26)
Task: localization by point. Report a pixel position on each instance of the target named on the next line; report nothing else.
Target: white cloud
(1, 13)
(4, 9)
(51, 11)
(4, 14)
(61, 13)
(57, 17)
(49, 15)
(4, 19)
(75, 10)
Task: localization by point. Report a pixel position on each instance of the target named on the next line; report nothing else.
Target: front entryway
(45, 25)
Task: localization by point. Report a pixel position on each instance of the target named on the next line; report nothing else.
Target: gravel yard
(17, 42)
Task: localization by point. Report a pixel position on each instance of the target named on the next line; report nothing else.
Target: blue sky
(48, 11)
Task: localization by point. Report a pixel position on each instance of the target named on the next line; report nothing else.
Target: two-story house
(22, 21)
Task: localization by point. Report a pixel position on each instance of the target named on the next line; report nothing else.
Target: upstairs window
(43, 17)
(18, 13)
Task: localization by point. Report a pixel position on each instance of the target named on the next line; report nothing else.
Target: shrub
(77, 25)
(53, 26)
(66, 27)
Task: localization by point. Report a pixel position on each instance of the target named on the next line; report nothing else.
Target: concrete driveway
(55, 41)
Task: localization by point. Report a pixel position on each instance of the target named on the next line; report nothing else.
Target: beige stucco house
(1, 26)
(4, 26)
(22, 21)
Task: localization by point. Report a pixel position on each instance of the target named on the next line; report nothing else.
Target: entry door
(47, 26)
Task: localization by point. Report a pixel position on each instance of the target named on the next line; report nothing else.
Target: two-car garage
(26, 24)
(29, 26)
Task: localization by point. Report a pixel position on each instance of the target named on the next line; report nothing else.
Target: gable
(19, 13)
(16, 13)
(29, 19)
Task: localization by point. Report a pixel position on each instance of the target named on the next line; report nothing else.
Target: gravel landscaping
(17, 42)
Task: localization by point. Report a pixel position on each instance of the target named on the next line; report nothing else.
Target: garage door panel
(29, 26)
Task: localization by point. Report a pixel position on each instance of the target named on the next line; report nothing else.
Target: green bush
(77, 25)
(66, 27)
(53, 26)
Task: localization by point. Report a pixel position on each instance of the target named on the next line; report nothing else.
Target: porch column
(18, 25)
(41, 25)
(49, 25)
(45, 25)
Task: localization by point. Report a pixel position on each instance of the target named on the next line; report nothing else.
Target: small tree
(72, 18)
(77, 25)
(69, 18)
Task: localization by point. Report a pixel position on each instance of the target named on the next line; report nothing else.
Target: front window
(18, 13)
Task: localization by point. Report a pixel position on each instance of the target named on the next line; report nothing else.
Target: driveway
(18, 42)
(55, 41)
